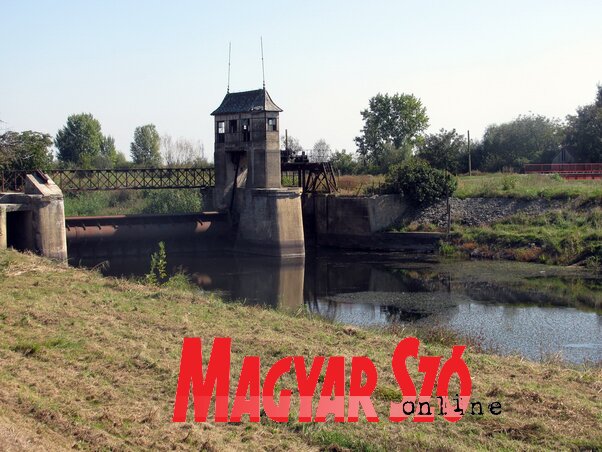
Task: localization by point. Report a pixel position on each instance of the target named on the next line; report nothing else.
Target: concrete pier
(34, 220)
(271, 222)
(3, 239)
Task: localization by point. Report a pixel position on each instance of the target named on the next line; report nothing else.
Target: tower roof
(246, 101)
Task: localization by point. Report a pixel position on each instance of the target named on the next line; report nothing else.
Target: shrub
(157, 274)
(172, 201)
(509, 182)
(418, 182)
(86, 203)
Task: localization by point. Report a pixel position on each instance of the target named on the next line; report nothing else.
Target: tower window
(272, 125)
(221, 131)
(246, 130)
(233, 126)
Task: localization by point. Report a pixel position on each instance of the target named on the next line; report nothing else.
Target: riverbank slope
(524, 217)
(92, 363)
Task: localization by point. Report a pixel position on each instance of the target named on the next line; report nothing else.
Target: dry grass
(360, 184)
(91, 363)
(488, 185)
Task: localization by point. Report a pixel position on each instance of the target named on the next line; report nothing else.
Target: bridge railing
(116, 179)
(311, 177)
(133, 179)
(562, 168)
(12, 180)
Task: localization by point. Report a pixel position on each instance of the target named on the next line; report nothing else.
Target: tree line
(394, 130)
(82, 144)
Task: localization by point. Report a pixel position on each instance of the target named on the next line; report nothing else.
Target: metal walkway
(312, 177)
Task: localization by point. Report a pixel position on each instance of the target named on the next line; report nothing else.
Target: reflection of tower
(267, 218)
(290, 289)
(268, 281)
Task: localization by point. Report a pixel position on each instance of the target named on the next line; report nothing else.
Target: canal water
(532, 310)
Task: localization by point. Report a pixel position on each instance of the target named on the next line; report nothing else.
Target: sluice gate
(206, 229)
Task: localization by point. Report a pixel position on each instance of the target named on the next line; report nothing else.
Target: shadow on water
(533, 310)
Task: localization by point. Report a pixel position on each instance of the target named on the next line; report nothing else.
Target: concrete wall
(353, 215)
(361, 223)
(48, 217)
(3, 231)
(270, 222)
(34, 220)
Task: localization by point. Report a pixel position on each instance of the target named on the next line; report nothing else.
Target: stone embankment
(479, 211)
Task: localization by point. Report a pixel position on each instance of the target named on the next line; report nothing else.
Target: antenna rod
(262, 65)
(229, 57)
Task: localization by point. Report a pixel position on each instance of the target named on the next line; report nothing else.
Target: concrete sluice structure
(135, 235)
(266, 218)
(34, 220)
(247, 211)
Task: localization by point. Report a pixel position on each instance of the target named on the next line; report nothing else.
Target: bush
(172, 201)
(418, 182)
(86, 203)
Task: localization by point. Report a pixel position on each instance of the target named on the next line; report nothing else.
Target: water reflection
(528, 309)
(273, 282)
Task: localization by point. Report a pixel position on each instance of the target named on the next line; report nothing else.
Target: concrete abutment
(34, 220)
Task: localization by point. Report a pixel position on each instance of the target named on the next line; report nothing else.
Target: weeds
(447, 249)
(157, 273)
(559, 237)
(125, 202)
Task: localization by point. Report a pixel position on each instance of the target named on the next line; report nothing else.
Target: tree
(107, 157)
(584, 131)
(444, 150)
(121, 161)
(81, 139)
(527, 139)
(292, 144)
(27, 150)
(145, 148)
(108, 149)
(321, 151)
(182, 152)
(344, 163)
(392, 129)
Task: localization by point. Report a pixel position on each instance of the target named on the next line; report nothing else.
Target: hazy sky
(135, 62)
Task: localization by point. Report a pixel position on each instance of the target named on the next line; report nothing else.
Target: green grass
(488, 185)
(127, 202)
(557, 237)
(529, 186)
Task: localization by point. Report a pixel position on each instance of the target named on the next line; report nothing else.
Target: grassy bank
(493, 185)
(126, 202)
(91, 363)
(527, 186)
(570, 236)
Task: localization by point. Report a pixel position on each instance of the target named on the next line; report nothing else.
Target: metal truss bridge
(312, 177)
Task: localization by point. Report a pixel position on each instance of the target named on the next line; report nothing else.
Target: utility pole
(469, 158)
(447, 204)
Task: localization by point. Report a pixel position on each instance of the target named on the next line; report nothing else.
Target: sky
(129, 63)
